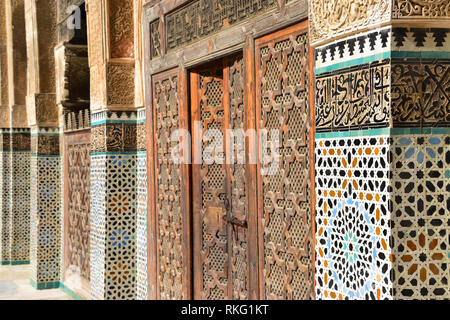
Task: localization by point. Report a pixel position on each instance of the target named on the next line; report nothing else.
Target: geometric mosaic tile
(142, 215)
(356, 50)
(5, 219)
(352, 218)
(20, 207)
(45, 219)
(142, 210)
(421, 220)
(113, 226)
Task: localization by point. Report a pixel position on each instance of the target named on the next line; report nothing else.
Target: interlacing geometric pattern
(421, 219)
(20, 207)
(142, 217)
(239, 265)
(45, 217)
(352, 218)
(286, 190)
(97, 227)
(214, 252)
(168, 201)
(120, 227)
(77, 244)
(5, 227)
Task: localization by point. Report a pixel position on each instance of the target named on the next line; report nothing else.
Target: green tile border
(20, 263)
(70, 292)
(45, 156)
(385, 55)
(355, 62)
(421, 54)
(44, 285)
(383, 131)
(5, 263)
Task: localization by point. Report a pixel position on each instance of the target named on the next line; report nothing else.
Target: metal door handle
(236, 222)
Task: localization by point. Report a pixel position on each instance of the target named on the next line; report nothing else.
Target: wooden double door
(229, 224)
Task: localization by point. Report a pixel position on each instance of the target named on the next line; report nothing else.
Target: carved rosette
(333, 18)
(407, 9)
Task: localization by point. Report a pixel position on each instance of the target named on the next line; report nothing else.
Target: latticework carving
(78, 197)
(239, 265)
(213, 189)
(168, 202)
(155, 41)
(286, 217)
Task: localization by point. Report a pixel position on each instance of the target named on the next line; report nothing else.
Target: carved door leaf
(220, 265)
(285, 207)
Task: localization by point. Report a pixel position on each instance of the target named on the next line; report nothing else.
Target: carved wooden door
(285, 186)
(219, 186)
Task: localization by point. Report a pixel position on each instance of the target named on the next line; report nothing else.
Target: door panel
(237, 191)
(209, 190)
(285, 194)
(172, 250)
(77, 208)
(219, 198)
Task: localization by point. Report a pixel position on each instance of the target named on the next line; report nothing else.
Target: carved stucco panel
(408, 9)
(333, 18)
(120, 84)
(42, 110)
(121, 28)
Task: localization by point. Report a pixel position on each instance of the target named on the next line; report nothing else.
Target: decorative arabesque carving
(78, 197)
(168, 201)
(286, 191)
(407, 9)
(330, 18)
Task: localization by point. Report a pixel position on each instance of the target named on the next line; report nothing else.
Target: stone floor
(15, 285)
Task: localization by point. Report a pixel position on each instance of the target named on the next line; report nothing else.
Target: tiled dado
(382, 214)
(389, 77)
(114, 190)
(45, 202)
(5, 196)
(20, 196)
(352, 218)
(420, 214)
(142, 213)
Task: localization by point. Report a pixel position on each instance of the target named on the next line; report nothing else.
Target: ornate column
(113, 149)
(20, 139)
(5, 155)
(15, 141)
(41, 38)
(382, 156)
